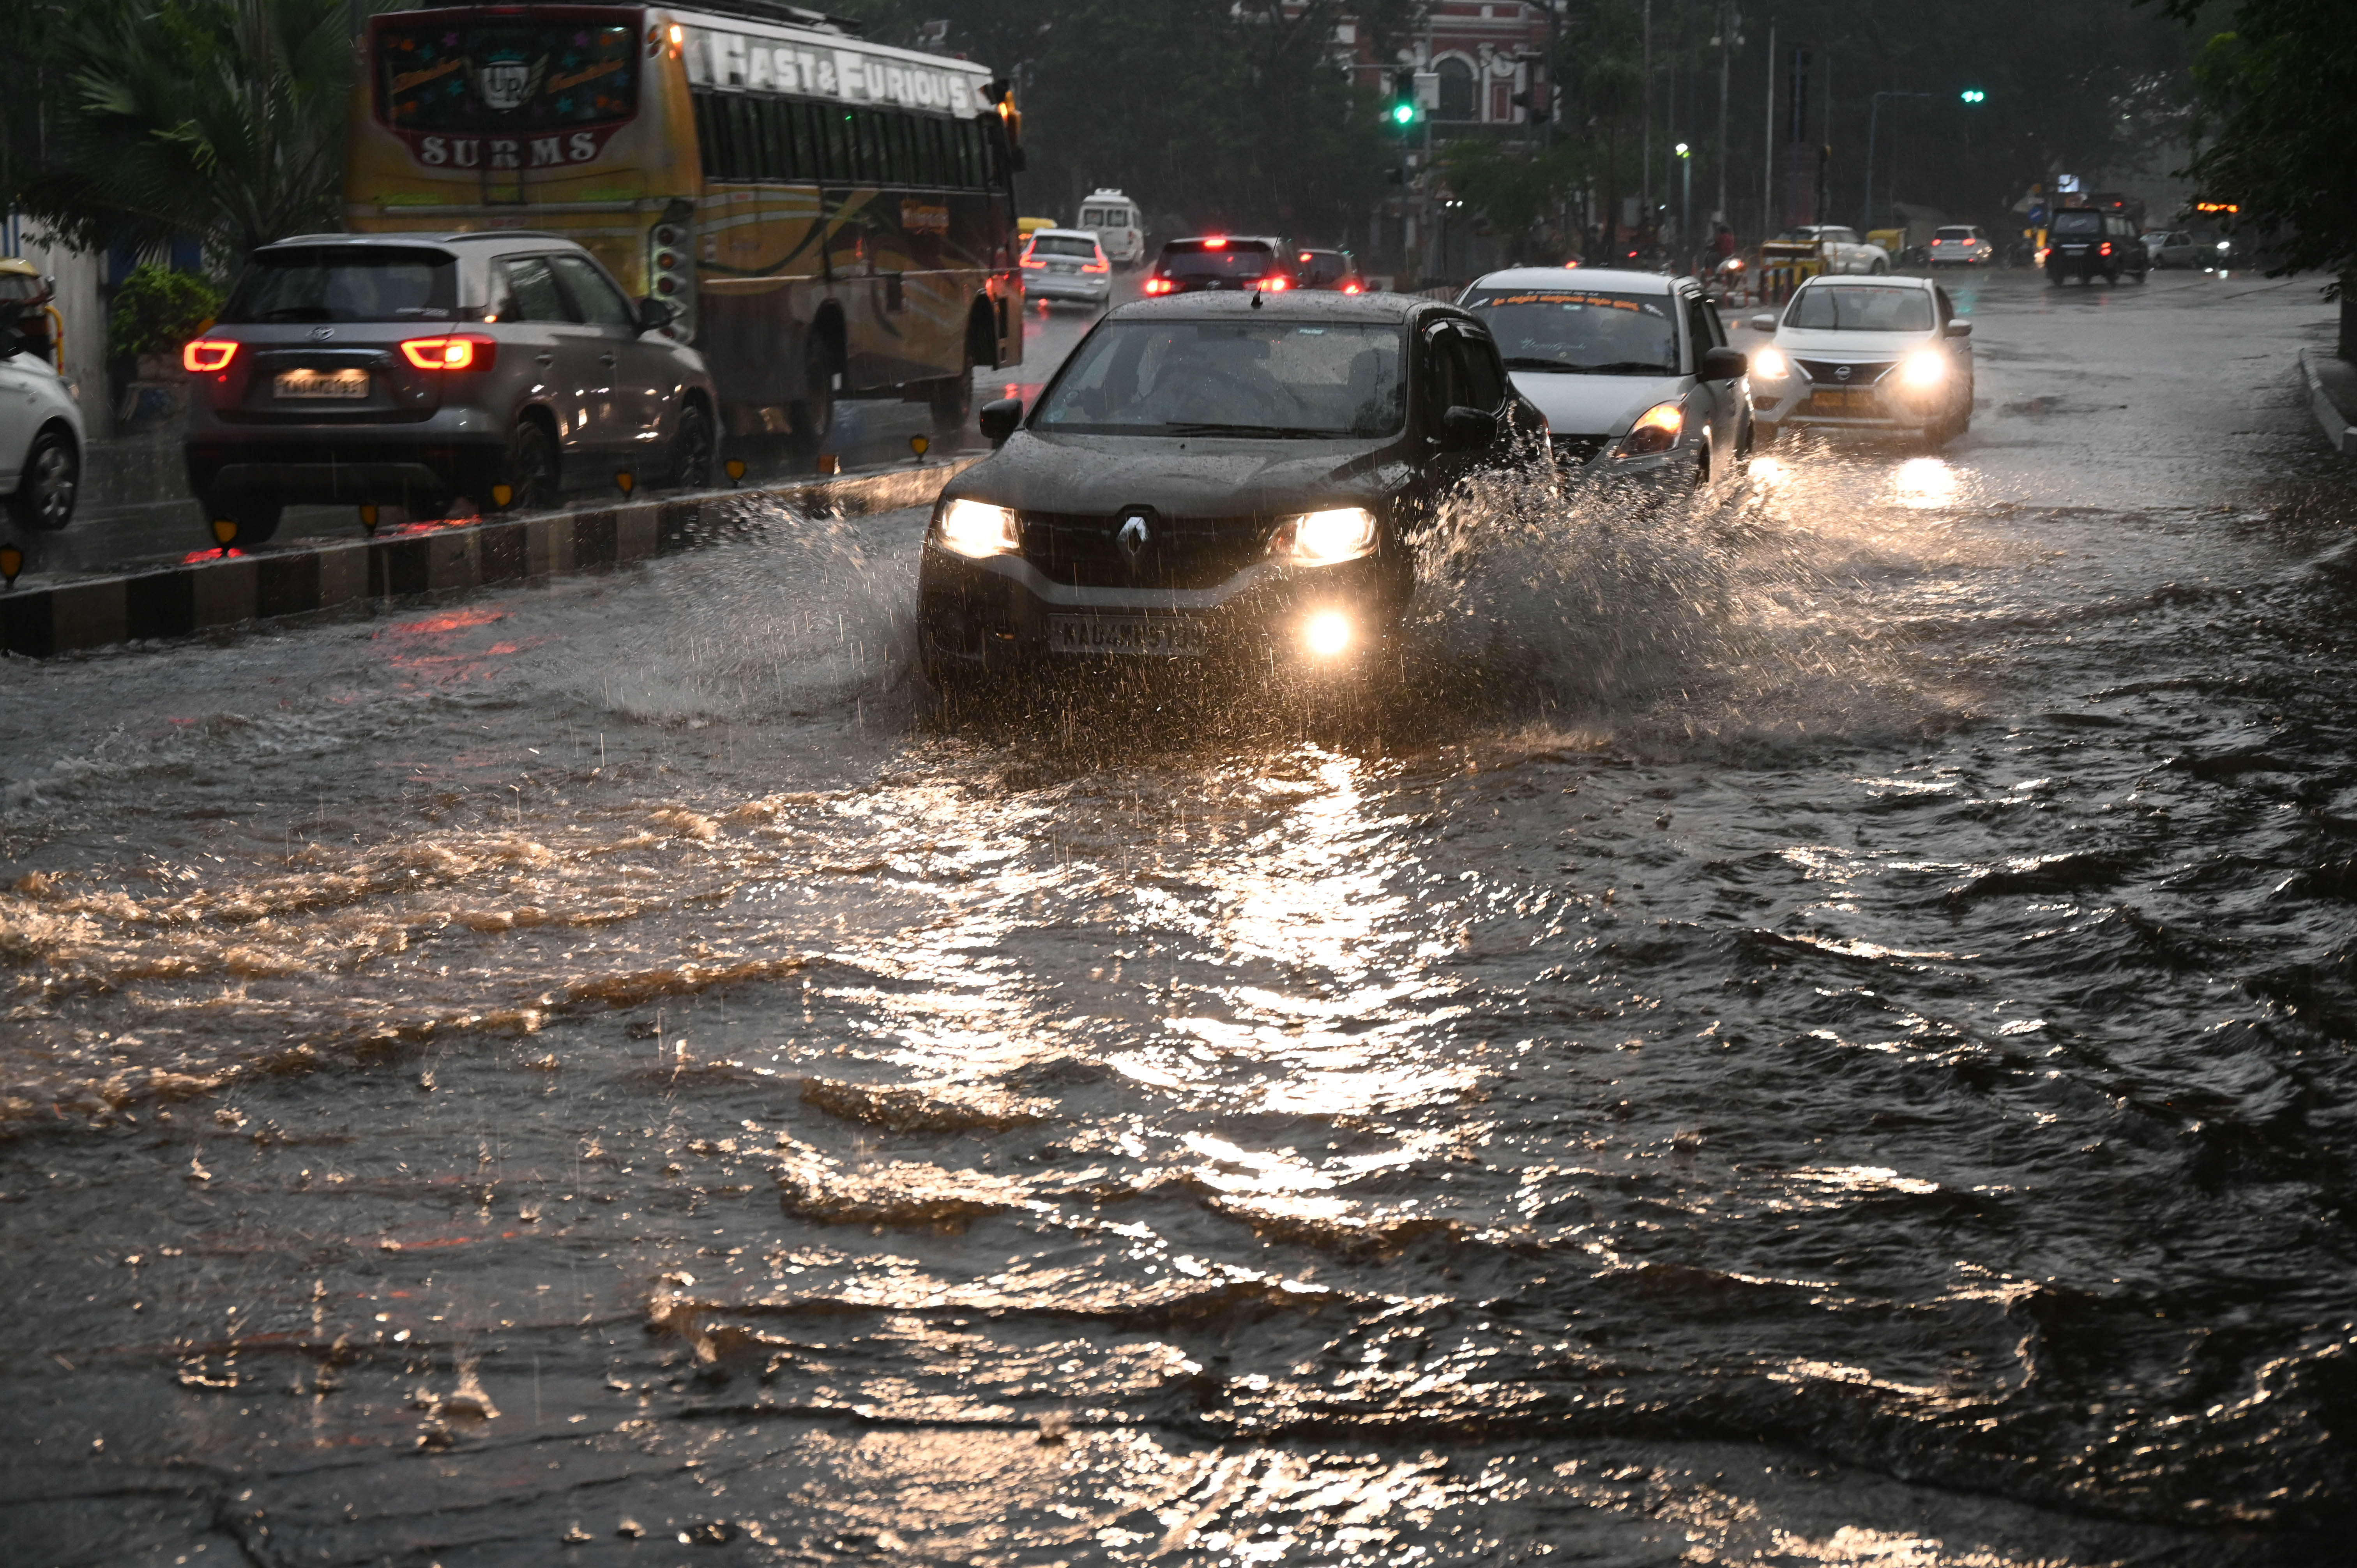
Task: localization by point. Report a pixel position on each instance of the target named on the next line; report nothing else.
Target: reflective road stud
(623, 481)
(367, 517)
(828, 463)
(736, 470)
(502, 495)
(919, 446)
(12, 560)
(224, 529)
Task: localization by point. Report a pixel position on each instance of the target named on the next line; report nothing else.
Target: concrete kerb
(211, 592)
(2332, 398)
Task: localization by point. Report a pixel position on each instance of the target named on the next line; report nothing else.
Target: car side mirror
(1765, 322)
(654, 314)
(1724, 364)
(1960, 329)
(1464, 429)
(999, 419)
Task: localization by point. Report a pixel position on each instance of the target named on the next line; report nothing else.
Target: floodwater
(1814, 1030)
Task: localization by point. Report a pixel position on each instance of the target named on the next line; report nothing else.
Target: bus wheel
(953, 401)
(814, 413)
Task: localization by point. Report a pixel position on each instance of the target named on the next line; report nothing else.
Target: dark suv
(444, 373)
(1334, 270)
(1224, 261)
(2083, 243)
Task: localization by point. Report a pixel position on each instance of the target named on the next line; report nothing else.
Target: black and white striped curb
(215, 592)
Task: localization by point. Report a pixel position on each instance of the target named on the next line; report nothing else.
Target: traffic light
(1403, 110)
(1973, 95)
(1537, 104)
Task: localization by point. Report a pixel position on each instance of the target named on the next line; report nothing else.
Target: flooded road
(1813, 1032)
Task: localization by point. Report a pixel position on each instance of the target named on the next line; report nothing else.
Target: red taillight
(207, 354)
(459, 351)
(1275, 284)
(2106, 249)
(1096, 266)
(1350, 288)
(1939, 241)
(1032, 264)
(1160, 285)
(1215, 245)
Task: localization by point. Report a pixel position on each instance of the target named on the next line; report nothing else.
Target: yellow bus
(829, 216)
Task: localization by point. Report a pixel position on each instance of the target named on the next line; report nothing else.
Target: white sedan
(40, 425)
(1841, 249)
(1879, 356)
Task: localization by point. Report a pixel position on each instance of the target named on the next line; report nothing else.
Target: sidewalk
(2332, 396)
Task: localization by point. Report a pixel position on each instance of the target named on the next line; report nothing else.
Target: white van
(1113, 217)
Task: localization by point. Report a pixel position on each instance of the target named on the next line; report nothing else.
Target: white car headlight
(976, 529)
(1769, 365)
(1923, 368)
(1322, 538)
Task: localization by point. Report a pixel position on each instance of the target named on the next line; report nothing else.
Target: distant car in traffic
(1334, 270)
(2171, 248)
(2083, 243)
(41, 432)
(1961, 244)
(1841, 248)
(1238, 477)
(1224, 261)
(1114, 219)
(1067, 265)
(442, 373)
(1631, 370)
(1889, 355)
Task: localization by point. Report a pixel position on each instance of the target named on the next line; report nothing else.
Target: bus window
(796, 121)
(834, 151)
(867, 146)
(744, 139)
(904, 149)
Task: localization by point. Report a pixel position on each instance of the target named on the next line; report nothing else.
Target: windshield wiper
(1626, 368)
(1281, 432)
(1528, 362)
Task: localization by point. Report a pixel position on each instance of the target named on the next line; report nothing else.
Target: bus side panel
(760, 282)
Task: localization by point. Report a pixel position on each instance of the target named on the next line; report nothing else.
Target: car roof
(1618, 281)
(1373, 310)
(1886, 280)
(454, 237)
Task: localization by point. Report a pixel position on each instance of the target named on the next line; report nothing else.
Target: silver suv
(445, 373)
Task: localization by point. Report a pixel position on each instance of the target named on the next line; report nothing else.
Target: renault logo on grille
(1134, 533)
(1841, 373)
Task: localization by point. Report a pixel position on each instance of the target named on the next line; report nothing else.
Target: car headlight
(1924, 368)
(1769, 365)
(1656, 430)
(1322, 538)
(977, 529)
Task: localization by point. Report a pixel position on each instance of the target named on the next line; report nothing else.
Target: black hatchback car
(1215, 262)
(1232, 475)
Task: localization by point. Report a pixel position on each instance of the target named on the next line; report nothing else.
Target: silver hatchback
(448, 375)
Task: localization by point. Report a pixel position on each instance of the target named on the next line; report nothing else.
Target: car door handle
(547, 358)
(606, 358)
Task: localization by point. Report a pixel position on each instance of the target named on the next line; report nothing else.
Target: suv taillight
(206, 355)
(457, 351)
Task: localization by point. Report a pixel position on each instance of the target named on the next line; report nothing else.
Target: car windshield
(1063, 245)
(1272, 379)
(2078, 223)
(1860, 307)
(1572, 329)
(1227, 262)
(1954, 234)
(346, 283)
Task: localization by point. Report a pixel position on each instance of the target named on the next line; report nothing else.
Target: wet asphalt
(1811, 1028)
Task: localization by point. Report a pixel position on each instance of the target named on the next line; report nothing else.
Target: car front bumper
(1001, 612)
(1877, 407)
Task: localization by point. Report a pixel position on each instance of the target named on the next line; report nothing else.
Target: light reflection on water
(1349, 1141)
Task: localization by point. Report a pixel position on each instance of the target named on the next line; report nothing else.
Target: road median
(2332, 384)
(209, 593)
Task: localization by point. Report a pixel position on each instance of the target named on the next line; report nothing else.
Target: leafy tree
(217, 120)
(1518, 192)
(2279, 113)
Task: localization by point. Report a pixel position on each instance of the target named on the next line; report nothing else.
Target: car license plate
(1841, 400)
(321, 383)
(1063, 266)
(1167, 637)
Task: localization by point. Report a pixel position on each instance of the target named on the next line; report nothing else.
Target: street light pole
(1873, 112)
(1685, 199)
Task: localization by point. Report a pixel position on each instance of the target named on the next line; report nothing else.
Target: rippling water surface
(1809, 1030)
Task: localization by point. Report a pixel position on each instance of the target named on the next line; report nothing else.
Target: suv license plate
(1167, 637)
(321, 383)
(1842, 400)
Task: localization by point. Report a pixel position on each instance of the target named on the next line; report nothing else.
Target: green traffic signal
(1973, 95)
(1404, 114)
